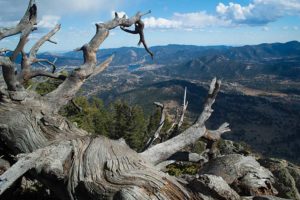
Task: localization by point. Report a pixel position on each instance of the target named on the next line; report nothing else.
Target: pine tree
(129, 123)
(93, 117)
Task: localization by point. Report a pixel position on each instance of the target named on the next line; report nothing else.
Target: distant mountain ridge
(279, 59)
(247, 52)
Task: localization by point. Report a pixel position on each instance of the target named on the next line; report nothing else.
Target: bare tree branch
(67, 90)
(175, 125)
(213, 91)
(28, 21)
(160, 126)
(27, 61)
(178, 120)
(172, 127)
(44, 159)
(8, 70)
(216, 134)
(103, 66)
(139, 29)
(25, 27)
(22, 42)
(163, 151)
(40, 62)
(25, 24)
(36, 73)
(17, 170)
(51, 41)
(40, 42)
(183, 157)
(184, 107)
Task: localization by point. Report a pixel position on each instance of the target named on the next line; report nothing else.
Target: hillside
(260, 96)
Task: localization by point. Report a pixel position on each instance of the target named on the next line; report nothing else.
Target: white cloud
(256, 13)
(265, 28)
(187, 21)
(48, 21)
(259, 12)
(199, 20)
(285, 28)
(234, 11)
(59, 7)
(152, 22)
(188, 29)
(14, 9)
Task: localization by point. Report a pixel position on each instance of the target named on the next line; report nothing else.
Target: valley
(260, 95)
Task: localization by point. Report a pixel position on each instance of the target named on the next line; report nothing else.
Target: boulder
(242, 173)
(213, 187)
(287, 177)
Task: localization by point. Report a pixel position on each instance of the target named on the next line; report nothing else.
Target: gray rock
(229, 147)
(287, 177)
(266, 197)
(243, 173)
(213, 187)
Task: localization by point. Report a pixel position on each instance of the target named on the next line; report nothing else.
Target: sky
(197, 22)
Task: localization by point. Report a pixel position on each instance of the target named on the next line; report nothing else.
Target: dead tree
(176, 124)
(66, 159)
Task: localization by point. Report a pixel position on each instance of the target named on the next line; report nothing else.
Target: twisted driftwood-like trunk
(66, 159)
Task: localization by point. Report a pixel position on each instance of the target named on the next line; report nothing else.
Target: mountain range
(260, 95)
(277, 58)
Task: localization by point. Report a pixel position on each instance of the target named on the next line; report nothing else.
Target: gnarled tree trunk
(68, 160)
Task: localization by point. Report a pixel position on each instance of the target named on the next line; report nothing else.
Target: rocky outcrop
(229, 147)
(213, 187)
(243, 173)
(287, 177)
(267, 197)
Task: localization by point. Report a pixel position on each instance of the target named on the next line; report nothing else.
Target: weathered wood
(67, 90)
(161, 124)
(90, 166)
(27, 22)
(17, 170)
(178, 121)
(41, 41)
(25, 27)
(164, 150)
(27, 72)
(139, 29)
(174, 127)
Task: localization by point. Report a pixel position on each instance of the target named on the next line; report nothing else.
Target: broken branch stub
(161, 124)
(164, 150)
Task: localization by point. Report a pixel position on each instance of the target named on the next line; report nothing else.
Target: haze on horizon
(215, 22)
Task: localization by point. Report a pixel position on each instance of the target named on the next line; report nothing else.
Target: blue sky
(198, 22)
